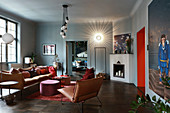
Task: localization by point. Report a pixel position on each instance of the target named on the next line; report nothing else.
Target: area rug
(57, 97)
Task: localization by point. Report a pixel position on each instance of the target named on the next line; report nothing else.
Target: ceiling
(79, 11)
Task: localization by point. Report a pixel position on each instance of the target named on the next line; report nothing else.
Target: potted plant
(33, 57)
(157, 105)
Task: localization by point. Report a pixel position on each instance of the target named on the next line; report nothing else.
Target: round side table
(7, 84)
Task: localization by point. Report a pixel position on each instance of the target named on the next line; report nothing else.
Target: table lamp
(7, 39)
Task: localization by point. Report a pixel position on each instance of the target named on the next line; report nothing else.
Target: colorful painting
(159, 49)
(122, 44)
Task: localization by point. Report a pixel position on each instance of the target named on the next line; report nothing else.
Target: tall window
(9, 51)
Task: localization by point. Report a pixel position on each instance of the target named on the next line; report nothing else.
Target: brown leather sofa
(23, 82)
(83, 90)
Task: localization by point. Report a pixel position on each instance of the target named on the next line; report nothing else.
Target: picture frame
(49, 49)
(122, 44)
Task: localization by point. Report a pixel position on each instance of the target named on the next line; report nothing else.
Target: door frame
(66, 50)
(140, 33)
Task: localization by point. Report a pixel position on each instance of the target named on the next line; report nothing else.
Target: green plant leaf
(158, 101)
(163, 106)
(167, 108)
(154, 98)
(148, 97)
(143, 99)
(134, 107)
(137, 97)
(131, 111)
(134, 103)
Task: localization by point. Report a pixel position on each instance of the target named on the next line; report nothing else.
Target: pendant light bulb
(66, 20)
(62, 32)
(65, 30)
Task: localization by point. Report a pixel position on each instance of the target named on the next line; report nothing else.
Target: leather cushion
(26, 74)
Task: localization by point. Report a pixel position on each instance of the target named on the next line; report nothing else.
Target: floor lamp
(7, 39)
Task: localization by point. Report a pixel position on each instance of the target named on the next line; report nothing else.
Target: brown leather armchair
(83, 90)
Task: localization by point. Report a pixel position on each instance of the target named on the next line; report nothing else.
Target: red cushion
(43, 71)
(63, 75)
(91, 75)
(38, 71)
(87, 76)
(26, 74)
(88, 71)
(52, 71)
(43, 67)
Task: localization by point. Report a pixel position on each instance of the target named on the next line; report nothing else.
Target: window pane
(2, 23)
(2, 31)
(3, 51)
(13, 33)
(11, 26)
(8, 51)
(12, 52)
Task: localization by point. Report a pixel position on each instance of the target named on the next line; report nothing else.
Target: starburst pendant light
(65, 22)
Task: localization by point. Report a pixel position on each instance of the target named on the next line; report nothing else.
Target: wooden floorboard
(116, 97)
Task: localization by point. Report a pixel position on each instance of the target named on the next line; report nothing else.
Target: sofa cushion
(14, 71)
(26, 74)
(43, 71)
(38, 71)
(88, 74)
(52, 71)
(24, 69)
(88, 71)
(33, 73)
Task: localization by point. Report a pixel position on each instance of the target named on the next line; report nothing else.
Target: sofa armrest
(14, 77)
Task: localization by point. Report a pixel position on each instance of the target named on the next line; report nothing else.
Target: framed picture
(122, 44)
(49, 49)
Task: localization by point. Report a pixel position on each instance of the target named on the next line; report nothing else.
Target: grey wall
(49, 33)
(122, 26)
(26, 30)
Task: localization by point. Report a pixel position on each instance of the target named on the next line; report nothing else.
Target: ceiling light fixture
(65, 22)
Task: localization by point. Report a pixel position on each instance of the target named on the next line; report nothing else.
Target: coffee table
(7, 84)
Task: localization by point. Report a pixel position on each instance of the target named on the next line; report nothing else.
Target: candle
(119, 73)
(122, 74)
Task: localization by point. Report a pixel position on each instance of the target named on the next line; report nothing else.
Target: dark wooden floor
(116, 97)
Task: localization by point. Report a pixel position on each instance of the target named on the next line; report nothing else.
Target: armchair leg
(82, 107)
(21, 94)
(62, 100)
(99, 101)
